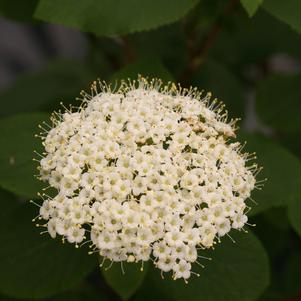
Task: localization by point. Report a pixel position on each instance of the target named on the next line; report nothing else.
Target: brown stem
(129, 51)
(198, 54)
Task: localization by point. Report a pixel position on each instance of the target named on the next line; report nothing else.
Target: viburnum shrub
(145, 172)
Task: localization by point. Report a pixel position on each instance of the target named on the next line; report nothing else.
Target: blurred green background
(247, 53)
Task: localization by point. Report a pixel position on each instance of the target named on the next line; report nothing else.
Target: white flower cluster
(145, 172)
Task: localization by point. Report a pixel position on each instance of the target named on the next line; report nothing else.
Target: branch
(129, 51)
(198, 54)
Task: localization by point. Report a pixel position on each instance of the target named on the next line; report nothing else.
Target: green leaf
(268, 223)
(167, 44)
(278, 218)
(251, 6)
(45, 89)
(103, 17)
(286, 11)
(282, 170)
(149, 292)
(125, 285)
(278, 102)
(18, 143)
(294, 214)
(208, 11)
(266, 35)
(10, 203)
(33, 265)
(217, 78)
(85, 293)
(22, 12)
(147, 67)
(288, 140)
(238, 272)
(82, 293)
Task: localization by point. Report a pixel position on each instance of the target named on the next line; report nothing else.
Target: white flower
(149, 172)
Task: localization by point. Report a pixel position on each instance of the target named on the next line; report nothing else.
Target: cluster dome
(145, 172)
